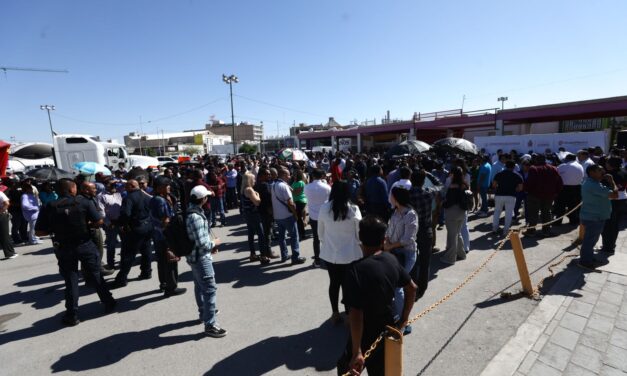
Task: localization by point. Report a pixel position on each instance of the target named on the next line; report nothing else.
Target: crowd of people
(373, 220)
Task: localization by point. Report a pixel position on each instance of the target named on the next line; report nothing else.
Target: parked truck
(70, 149)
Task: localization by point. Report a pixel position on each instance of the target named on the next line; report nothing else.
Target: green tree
(248, 149)
(151, 152)
(191, 150)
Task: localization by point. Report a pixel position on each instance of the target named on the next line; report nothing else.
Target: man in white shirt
(284, 211)
(5, 218)
(317, 193)
(572, 174)
(583, 157)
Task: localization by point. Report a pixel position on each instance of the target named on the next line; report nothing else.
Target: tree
(191, 150)
(150, 152)
(248, 149)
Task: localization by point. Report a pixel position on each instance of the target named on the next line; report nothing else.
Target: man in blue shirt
(376, 194)
(231, 187)
(596, 208)
(483, 183)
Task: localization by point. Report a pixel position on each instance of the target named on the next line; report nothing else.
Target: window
(76, 140)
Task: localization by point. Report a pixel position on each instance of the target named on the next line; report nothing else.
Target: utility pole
(141, 152)
(229, 80)
(48, 108)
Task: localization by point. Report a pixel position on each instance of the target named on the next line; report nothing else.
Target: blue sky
(305, 60)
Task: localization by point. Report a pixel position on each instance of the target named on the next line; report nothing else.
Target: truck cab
(71, 149)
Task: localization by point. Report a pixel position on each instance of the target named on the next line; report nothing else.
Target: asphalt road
(276, 316)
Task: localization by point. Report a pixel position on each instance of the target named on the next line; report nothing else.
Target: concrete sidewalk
(579, 328)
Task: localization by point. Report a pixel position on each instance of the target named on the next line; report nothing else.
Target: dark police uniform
(67, 219)
(135, 220)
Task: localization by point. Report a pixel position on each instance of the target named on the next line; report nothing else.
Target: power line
(277, 106)
(135, 123)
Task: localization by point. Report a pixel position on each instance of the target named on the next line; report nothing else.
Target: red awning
(4, 157)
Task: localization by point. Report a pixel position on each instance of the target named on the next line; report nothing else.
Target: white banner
(538, 143)
(344, 144)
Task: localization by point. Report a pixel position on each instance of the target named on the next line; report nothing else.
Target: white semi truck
(70, 149)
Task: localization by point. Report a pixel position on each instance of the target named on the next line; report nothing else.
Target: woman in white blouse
(338, 229)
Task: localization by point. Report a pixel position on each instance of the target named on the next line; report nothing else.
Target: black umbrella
(49, 173)
(456, 144)
(408, 147)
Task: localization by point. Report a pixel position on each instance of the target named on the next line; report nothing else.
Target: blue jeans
(111, 240)
(483, 191)
(205, 289)
(593, 230)
(288, 224)
(217, 207)
(408, 258)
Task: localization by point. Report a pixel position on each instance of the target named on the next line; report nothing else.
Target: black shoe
(297, 261)
(70, 320)
(110, 307)
(116, 284)
(283, 259)
(106, 271)
(317, 263)
(587, 265)
(144, 276)
(214, 331)
(176, 291)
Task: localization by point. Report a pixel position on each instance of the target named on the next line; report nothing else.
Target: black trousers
(375, 364)
(300, 220)
(535, 205)
(420, 272)
(5, 237)
(316, 239)
(68, 257)
(19, 228)
(168, 271)
(132, 244)
(611, 228)
(231, 198)
(266, 224)
(567, 199)
(336, 279)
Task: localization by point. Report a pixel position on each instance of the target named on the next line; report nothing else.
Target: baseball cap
(199, 192)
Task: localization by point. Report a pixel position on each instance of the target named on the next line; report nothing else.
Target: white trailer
(70, 149)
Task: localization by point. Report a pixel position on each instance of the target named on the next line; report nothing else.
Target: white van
(70, 149)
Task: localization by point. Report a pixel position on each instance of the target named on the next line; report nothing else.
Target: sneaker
(215, 331)
(176, 291)
(70, 320)
(299, 260)
(13, 256)
(317, 263)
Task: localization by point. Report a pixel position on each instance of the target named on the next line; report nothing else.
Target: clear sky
(297, 60)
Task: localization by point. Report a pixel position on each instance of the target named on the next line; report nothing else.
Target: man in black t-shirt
(507, 184)
(369, 295)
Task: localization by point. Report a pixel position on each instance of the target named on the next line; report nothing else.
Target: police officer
(69, 221)
(88, 193)
(135, 231)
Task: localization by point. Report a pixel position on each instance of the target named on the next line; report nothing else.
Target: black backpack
(176, 236)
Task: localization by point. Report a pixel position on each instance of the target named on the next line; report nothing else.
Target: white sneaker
(13, 256)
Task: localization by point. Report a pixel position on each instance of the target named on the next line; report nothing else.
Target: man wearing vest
(69, 221)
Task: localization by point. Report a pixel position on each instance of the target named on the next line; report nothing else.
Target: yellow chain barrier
(472, 275)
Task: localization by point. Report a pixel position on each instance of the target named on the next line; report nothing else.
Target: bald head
(132, 185)
(66, 187)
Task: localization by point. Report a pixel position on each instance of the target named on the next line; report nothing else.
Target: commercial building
(607, 114)
(202, 141)
(243, 131)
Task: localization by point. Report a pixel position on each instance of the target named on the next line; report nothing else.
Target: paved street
(276, 316)
(579, 329)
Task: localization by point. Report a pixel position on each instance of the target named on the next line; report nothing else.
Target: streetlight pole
(502, 100)
(229, 80)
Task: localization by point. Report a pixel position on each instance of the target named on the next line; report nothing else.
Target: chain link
(472, 275)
